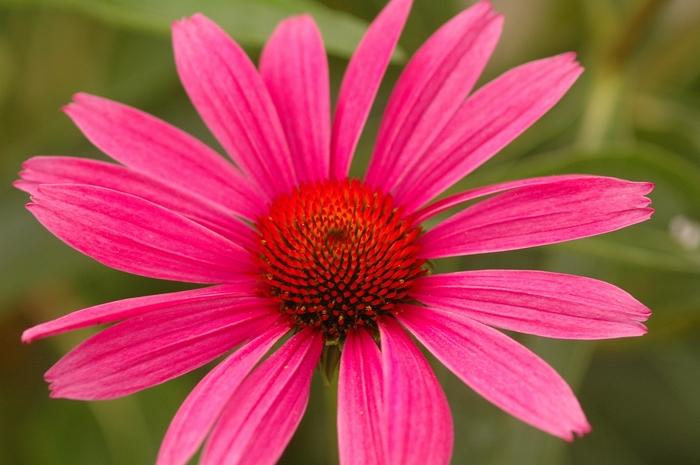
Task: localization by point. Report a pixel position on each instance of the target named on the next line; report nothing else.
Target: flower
(302, 257)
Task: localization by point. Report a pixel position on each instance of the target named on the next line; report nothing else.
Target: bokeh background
(635, 114)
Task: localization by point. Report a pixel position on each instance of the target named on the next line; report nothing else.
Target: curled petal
(134, 235)
(537, 302)
(361, 83)
(149, 349)
(233, 101)
(418, 420)
(266, 409)
(430, 91)
(71, 170)
(295, 69)
(485, 123)
(440, 206)
(360, 410)
(151, 146)
(190, 301)
(499, 369)
(540, 214)
(196, 416)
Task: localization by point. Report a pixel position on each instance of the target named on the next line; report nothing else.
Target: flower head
(298, 253)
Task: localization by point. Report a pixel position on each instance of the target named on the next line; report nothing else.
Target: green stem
(330, 397)
(607, 85)
(601, 107)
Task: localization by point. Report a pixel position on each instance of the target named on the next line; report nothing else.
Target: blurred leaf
(249, 21)
(645, 403)
(6, 69)
(671, 63)
(674, 118)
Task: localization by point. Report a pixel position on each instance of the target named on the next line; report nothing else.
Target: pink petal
(540, 214)
(149, 349)
(536, 302)
(418, 419)
(151, 146)
(70, 170)
(192, 301)
(295, 70)
(133, 235)
(431, 90)
(231, 97)
(361, 82)
(501, 370)
(440, 206)
(266, 409)
(485, 123)
(196, 416)
(360, 410)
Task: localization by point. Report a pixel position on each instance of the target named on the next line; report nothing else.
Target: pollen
(338, 255)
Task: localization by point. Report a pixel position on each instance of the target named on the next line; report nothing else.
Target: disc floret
(338, 255)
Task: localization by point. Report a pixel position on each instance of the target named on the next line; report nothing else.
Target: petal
(418, 419)
(233, 101)
(360, 410)
(540, 214)
(264, 412)
(499, 369)
(431, 90)
(133, 235)
(149, 349)
(196, 416)
(361, 83)
(295, 70)
(485, 123)
(70, 170)
(192, 300)
(440, 206)
(536, 302)
(151, 146)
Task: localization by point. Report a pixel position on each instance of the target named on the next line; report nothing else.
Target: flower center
(337, 255)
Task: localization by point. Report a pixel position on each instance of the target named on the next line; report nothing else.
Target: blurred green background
(635, 114)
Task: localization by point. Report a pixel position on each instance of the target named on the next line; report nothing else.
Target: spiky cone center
(337, 255)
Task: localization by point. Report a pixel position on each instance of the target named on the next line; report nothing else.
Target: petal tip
(303, 18)
(578, 430)
(23, 185)
(79, 100)
(569, 60)
(28, 336)
(200, 19)
(583, 429)
(79, 97)
(176, 24)
(59, 393)
(483, 4)
(399, 6)
(186, 22)
(69, 109)
(645, 312)
(647, 187)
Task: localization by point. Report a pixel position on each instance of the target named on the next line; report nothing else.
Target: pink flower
(294, 247)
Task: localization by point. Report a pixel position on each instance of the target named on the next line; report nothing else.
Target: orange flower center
(337, 255)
